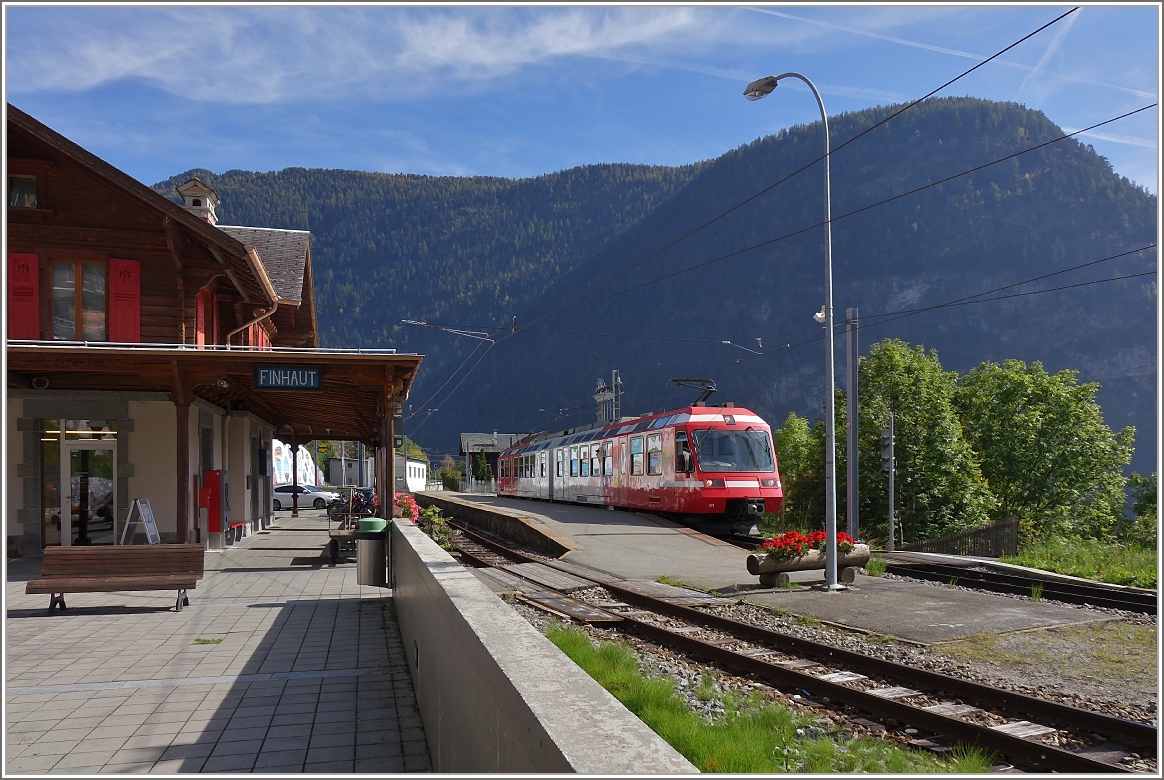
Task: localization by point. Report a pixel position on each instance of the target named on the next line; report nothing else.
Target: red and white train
(710, 467)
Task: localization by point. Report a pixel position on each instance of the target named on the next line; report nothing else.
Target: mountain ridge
(476, 252)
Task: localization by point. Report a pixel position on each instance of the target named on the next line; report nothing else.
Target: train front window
(720, 450)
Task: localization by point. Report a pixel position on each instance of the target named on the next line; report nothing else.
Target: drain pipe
(268, 289)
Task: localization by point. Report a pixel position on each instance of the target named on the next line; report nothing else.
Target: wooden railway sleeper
(1018, 748)
(1139, 735)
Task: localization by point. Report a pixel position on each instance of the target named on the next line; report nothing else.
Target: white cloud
(271, 55)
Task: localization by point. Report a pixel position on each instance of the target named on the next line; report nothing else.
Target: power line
(713, 220)
(948, 304)
(559, 309)
(794, 233)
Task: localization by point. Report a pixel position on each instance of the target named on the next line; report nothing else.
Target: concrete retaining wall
(501, 522)
(494, 694)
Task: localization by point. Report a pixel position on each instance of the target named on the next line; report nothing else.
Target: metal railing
(479, 486)
(990, 541)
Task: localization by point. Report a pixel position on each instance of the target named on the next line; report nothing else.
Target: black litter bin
(371, 558)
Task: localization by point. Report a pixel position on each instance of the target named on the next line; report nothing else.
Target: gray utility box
(371, 558)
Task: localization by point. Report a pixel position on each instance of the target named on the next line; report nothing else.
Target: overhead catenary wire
(515, 330)
(560, 309)
(948, 304)
(786, 334)
(846, 215)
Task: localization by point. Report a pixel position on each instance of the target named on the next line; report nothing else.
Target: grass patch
(752, 736)
(1118, 564)
(201, 641)
(875, 566)
(663, 579)
(807, 620)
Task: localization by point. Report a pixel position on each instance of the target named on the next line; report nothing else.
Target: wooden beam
(172, 241)
(230, 274)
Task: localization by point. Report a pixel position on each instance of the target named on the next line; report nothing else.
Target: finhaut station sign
(288, 378)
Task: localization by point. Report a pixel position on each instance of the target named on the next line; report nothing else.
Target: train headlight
(770, 483)
(714, 483)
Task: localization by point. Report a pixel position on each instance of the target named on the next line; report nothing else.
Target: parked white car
(283, 496)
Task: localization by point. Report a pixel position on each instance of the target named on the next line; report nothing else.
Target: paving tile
(268, 759)
(178, 766)
(381, 765)
(243, 734)
(331, 753)
(338, 739)
(329, 767)
(240, 747)
(299, 731)
(229, 763)
(85, 763)
(190, 750)
(417, 763)
(292, 718)
(391, 749)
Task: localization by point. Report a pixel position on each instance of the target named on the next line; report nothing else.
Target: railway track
(1127, 599)
(1019, 727)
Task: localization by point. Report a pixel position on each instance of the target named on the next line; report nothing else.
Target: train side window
(558, 462)
(595, 461)
(684, 464)
(655, 454)
(636, 448)
(573, 461)
(584, 458)
(542, 463)
(607, 459)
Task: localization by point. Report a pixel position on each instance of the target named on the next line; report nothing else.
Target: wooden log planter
(773, 571)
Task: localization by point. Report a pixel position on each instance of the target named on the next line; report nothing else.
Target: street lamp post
(754, 91)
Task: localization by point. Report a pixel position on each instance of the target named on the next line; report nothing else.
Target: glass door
(88, 481)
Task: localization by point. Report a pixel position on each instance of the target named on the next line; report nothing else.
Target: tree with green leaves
(801, 464)
(1048, 456)
(939, 487)
(1144, 508)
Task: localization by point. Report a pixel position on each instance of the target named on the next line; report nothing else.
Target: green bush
(436, 526)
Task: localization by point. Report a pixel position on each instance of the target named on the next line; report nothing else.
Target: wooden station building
(152, 353)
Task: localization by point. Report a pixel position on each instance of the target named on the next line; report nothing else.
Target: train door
(543, 476)
(555, 474)
(620, 467)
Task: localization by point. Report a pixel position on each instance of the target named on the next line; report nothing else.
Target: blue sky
(519, 91)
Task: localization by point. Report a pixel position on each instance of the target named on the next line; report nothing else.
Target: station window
(655, 454)
(21, 191)
(636, 448)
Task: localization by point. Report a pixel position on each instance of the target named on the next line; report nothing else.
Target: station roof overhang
(354, 389)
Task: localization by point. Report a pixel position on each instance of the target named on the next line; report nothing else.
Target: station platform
(637, 546)
(282, 663)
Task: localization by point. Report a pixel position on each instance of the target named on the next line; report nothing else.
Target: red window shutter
(23, 296)
(124, 301)
(200, 319)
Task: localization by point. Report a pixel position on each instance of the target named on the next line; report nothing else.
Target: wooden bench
(103, 569)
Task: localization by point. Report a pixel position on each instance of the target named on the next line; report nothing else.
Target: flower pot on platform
(773, 571)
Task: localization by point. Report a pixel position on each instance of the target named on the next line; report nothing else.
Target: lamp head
(820, 316)
(760, 88)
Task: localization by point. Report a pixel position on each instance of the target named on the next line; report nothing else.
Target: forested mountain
(477, 252)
